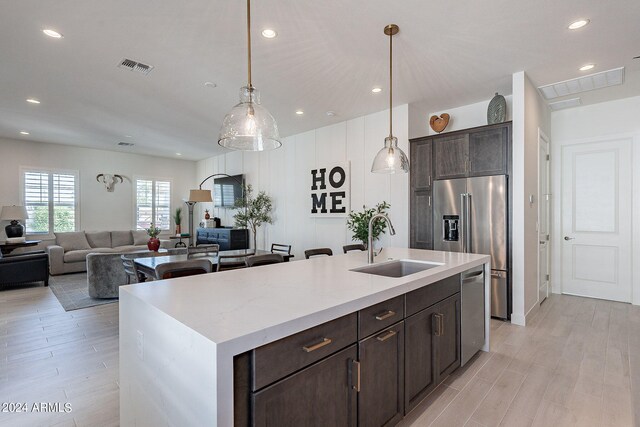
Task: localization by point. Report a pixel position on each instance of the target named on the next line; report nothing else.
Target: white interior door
(596, 219)
(544, 213)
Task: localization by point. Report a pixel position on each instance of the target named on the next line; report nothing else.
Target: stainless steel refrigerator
(470, 215)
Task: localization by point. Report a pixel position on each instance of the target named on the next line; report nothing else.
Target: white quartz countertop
(246, 308)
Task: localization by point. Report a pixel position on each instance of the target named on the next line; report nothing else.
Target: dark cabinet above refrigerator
(479, 151)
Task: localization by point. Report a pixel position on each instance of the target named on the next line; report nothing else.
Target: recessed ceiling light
(210, 84)
(178, 154)
(24, 132)
(128, 136)
(331, 113)
(269, 33)
(33, 101)
(587, 67)
(578, 24)
(376, 90)
(299, 112)
(52, 33)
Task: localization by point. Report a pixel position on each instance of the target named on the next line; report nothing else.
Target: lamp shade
(391, 158)
(249, 126)
(200, 196)
(12, 213)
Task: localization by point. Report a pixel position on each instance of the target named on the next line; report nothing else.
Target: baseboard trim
(518, 319)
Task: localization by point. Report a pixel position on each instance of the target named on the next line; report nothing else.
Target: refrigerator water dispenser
(450, 228)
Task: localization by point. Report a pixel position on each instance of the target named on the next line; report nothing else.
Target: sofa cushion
(81, 254)
(121, 238)
(72, 241)
(140, 237)
(129, 248)
(99, 239)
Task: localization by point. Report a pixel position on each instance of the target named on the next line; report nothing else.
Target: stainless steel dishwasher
(473, 312)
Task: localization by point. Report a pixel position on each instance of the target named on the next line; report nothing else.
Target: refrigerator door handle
(463, 222)
(467, 224)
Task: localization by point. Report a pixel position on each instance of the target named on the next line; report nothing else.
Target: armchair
(24, 268)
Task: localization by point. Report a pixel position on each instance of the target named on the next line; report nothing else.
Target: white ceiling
(327, 56)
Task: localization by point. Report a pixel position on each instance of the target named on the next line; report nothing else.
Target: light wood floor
(576, 364)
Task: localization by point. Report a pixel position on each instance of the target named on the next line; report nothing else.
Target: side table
(180, 243)
(7, 248)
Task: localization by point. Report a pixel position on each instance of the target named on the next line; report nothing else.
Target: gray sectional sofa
(69, 254)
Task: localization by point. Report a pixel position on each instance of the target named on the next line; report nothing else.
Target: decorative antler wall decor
(108, 180)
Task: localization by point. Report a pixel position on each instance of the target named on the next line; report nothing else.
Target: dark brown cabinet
(432, 346)
(480, 151)
(488, 151)
(420, 197)
(322, 394)
(451, 156)
(381, 396)
(368, 368)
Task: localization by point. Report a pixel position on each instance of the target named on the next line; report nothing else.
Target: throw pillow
(72, 241)
(121, 238)
(99, 239)
(140, 237)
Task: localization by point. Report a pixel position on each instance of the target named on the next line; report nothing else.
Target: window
(153, 203)
(51, 200)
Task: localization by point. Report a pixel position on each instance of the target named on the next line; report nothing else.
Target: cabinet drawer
(278, 359)
(379, 316)
(431, 294)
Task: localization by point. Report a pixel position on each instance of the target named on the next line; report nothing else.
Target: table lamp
(14, 214)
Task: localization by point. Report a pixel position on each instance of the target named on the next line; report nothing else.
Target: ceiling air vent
(583, 84)
(125, 144)
(567, 103)
(136, 66)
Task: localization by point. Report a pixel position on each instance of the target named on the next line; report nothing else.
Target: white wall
(530, 114)
(284, 175)
(463, 117)
(99, 209)
(591, 122)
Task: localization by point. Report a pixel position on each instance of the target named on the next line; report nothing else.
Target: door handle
(314, 347)
(567, 238)
(438, 324)
(385, 315)
(386, 336)
(355, 369)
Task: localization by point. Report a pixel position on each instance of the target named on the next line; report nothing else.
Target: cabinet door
(420, 196)
(381, 397)
(488, 152)
(322, 394)
(421, 164)
(420, 378)
(421, 218)
(451, 155)
(446, 337)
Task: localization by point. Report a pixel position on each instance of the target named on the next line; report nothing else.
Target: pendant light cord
(249, 44)
(390, 84)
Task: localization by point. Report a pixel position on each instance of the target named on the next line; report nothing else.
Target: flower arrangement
(358, 222)
(153, 231)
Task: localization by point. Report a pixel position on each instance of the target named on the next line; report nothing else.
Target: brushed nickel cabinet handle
(385, 315)
(356, 368)
(314, 347)
(439, 324)
(386, 336)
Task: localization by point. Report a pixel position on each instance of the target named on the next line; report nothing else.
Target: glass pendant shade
(390, 159)
(249, 126)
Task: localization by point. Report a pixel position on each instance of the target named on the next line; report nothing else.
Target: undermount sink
(397, 268)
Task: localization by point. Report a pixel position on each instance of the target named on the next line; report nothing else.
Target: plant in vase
(154, 243)
(358, 222)
(253, 211)
(177, 218)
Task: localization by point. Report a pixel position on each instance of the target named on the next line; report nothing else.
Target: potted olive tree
(358, 222)
(253, 211)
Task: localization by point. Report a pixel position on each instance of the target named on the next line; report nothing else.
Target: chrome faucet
(392, 231)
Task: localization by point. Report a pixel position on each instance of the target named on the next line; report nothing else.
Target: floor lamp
(196, 196)
(200, 195)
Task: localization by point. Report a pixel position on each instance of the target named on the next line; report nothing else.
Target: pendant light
(390, 159)
(249, 126)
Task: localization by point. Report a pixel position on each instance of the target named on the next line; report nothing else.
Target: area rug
(72, 292)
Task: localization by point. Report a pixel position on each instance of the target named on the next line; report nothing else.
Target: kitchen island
(179, 337)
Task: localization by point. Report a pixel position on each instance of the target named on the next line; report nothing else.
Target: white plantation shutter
(153, 204)
(50, 199)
